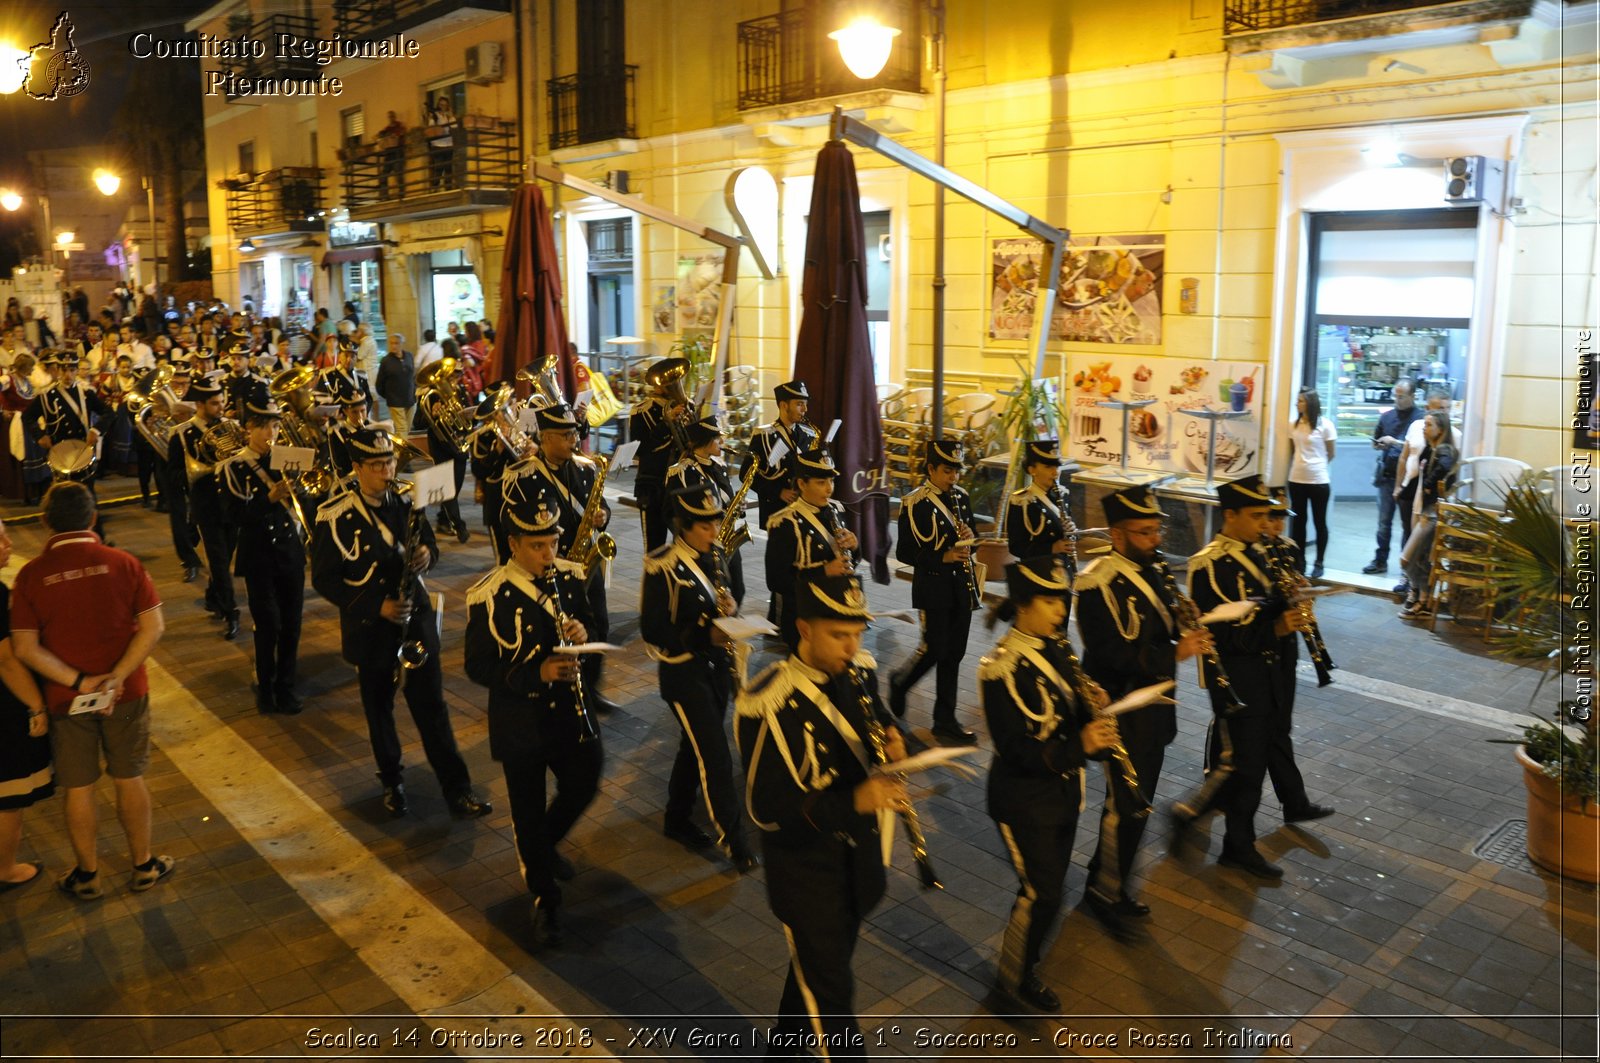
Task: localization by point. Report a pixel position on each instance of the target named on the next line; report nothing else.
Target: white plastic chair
(971, 412)
(1483, 482)
(1560, 482)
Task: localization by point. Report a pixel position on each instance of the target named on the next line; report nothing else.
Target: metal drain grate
(1507, 844)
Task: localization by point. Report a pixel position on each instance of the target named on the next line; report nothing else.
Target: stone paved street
(297, 905)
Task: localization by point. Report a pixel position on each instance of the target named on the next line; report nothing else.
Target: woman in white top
(1313, 436)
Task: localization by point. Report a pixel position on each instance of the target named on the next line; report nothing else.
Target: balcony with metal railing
(380, 18)
(1315, 29)
(245, 69)
(588, 108)
(275, 203)
(469, 165)
(788, 58)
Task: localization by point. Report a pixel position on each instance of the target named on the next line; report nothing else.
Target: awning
(351, 254)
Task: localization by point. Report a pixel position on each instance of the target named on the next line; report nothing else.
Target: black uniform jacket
(678, 604)
(185, 448)
(800, 536)
(927, 529)
(804, 741)
(1129, 634)
(336, 382)
(269, 533)
(357, 560)
(67, 413)
(490, 456)
(570, 486)
(1034, 720)
(657, 447)
(511, 632)
(1036, 521)
(238, 388)
(441, 447)
(1259, 663)
(692, 471)
(770, 482)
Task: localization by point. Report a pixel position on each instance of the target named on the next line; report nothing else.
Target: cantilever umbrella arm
(843, 127)
(730, 261)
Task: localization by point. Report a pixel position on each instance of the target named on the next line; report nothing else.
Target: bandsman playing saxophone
(1043, 733)
(685, 592)
(1037, 520)
(558, 472)
(1133, 637)
(516, 617)
(808, 533)
(704, 467)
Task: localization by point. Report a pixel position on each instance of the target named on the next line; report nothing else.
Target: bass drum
(72, 459)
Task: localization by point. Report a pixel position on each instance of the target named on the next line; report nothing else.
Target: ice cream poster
(1161, 436)
(699, 289)
(1108, 291)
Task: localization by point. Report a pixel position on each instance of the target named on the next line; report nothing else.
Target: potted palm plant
(1031, 412)
(1537, 569)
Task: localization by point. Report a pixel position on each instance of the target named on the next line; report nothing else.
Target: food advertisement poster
(1161, 437)
(1109, 290)
(699, 289)
(664, 308)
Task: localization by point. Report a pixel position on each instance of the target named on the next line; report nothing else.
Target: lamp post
(864, 45)
(155, 249)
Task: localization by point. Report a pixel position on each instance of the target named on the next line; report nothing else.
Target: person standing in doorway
(1389, 439)
(1313, 437)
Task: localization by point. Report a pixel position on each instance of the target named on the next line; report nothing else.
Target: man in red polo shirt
(84, 617)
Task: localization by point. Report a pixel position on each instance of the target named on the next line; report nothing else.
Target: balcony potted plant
(1538, 570)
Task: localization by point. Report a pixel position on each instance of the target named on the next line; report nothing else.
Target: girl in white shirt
(1313, 436)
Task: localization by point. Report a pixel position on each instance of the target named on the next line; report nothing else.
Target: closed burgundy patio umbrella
(531, 323)
(833, 353)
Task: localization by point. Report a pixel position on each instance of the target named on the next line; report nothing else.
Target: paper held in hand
(1155, 694)
(622, 457)
(833, 430)
(928, 758)
(775, 455)
(587, 647)
(291, 460)
(740, 628)
(433, 486)
(1230, 611)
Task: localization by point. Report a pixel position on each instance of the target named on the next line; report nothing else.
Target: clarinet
(587, 731)
(1082, 689)
(1288, 583)
(878, 740)
(830, 521)
(963, 514)
(1059, 497)
(1187, 614)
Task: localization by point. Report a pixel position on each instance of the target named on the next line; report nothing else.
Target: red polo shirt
(83, 598)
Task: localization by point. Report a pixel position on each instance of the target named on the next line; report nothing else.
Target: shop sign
(1109, 289)
(352, 233)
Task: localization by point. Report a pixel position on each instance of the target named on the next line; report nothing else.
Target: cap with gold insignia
(1244, 493)
(534, 514)
(704, 431)
(201, 389)
(812, 464)
(369, 443)
(1280, 502)
(945, 452)
(67, 359)
(48, 356)
(791, 390)
(557, 418)
(259, 403)
(689, 505)
(1044, 576)
(820, 596)
(204, 352)
(1043, 452)
(1131, 503)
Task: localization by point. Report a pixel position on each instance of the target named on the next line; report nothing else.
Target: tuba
(450, 417)
(544, 381)
(149, 417)
(220, 441)
(666, 377)
(292, 390)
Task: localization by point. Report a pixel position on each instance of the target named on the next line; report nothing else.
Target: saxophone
(735, 531)
(878, 740)
(1084, 688)
(589, 549)
(1187, 614)
(1288, 581)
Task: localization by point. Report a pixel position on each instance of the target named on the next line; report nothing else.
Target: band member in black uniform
(491, 453)
(72, 409)
(193, 458)
(772, 485)
(558, 472)
(1132, 638)
(1043, 733)
(704, 467)
(242, 381)
(538, 723)
(344, 378)
(651, 423)
(1258, 655)
(805, 728)
(1038, 521)
(933, 519)
(259, 501)
(446, 445)
(685, 591)
(368, 552)
(808, 533)
(175, 493)
(352, 418)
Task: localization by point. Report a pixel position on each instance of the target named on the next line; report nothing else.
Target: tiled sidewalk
(1387, 937)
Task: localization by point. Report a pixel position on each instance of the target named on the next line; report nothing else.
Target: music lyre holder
(1126, 408)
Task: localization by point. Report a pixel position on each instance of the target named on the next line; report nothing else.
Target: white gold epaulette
(571, 568)
(677, 468)
(1208, 553)
(767, 691)
(486, 587)
(863, 659)
(658, 560)
(1096, 574)
(336, 506)
(916, 493)
(1021, 496)
(1001, 664)
(786, 513)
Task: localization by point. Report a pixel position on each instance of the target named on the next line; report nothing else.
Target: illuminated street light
(107, 182)
(10, 200)
(13, 68)
(864, 45)
(65, 237)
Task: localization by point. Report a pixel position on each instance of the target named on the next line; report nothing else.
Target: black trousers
(1040, 855)
(424, 693)
(651, 494)
(276, 592)
(184, 536)
(451, 510)
(697, 693)
(736, 576)
(593, 665)
(145, 455)
(538, 828)
(1312, 497)
(819, 993)
(1121, 831)
(219, 542)
(493, 498)
(1238, 747)
(1287, 781)
(945, 628)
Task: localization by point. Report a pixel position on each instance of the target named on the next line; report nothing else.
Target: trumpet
(1288, 583)
(1187, 615)
(587, 730)
(1085, 690)
(877, 738)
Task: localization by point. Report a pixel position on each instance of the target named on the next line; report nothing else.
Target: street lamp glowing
(107, 182)
(13, 68)
(864, 45)
(10, 200)
(65, 237)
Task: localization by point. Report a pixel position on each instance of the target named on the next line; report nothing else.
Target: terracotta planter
(994, 555)
(1563, 836)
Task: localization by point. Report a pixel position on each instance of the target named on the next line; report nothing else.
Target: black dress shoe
(1375, 568)
(467, 805)
(230, 627)
(1253, 863)
(603, 705)
(1309, 812)
(1106, 912)
(463, 534)
(897, 699)
(954, 735)
(1034, 993)
(265, 702)
(161, 507)
(744, 861)
(1316, 571)
(288, 704)
(546, 922)
(561, 868)
(1129, 908)
(191, 573)
(394, 800)
(686, 833)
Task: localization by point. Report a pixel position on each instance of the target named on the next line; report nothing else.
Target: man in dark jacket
(397, 384)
